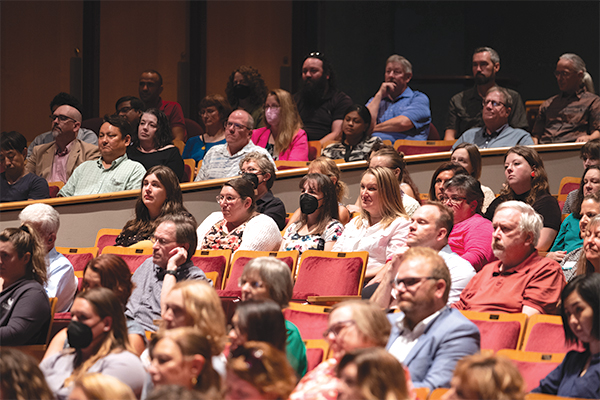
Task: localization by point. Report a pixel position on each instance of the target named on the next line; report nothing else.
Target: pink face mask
(272, 115)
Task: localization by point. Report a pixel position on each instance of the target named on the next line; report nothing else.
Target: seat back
(310, 320)
(438, 393)
(533, 366)
(316, 352)
(106, 237)
(412, 147)
(133, 257)
(314, 149)
(567, 185)
(545, 333)
(55, 187)
(213, 261)
(180, 145)
(328, 273)
(189, 170)
(422, 393)
(193, 128)
(498, 330)
(78, 256)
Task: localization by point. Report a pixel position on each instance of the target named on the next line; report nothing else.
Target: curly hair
(22, 379)
(539, 183)
(258, 89)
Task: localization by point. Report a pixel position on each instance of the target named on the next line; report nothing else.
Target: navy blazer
(447, 339)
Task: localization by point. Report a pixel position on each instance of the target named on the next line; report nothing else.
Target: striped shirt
(218, 163)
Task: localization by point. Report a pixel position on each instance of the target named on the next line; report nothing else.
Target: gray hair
(579, 66)
(406, 65)
(264, 164)
(508, 102)
(276, 276)
(530, 222)
(185, 230)
(494, 56)
(42, 216)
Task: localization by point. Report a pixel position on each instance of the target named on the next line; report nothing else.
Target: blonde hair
(289, 119)
(327, 166)
(390, 198)
(104, 387)
(370, 320)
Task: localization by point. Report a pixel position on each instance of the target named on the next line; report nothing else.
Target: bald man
(55, 161)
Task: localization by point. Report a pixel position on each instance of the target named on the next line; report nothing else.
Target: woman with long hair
(467, 155)
(21, 377)
(246, 89)
(590, 155)
(441, 175)
(589, 257)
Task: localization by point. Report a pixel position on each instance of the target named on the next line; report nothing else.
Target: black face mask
(241, 91)
(308, 203)
(252, 178)
(79, 335)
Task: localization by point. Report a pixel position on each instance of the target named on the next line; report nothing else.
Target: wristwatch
(168, 272)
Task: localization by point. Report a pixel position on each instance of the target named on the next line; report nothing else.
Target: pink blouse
(297, 151)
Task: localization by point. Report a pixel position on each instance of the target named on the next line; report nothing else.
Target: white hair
(43, 216)
(406, 65)
(530, 222)
(579, 66)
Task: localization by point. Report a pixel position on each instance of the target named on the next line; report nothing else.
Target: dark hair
(163, 135)
(25, 239)
(446, 216)
(447, 166)
(120, 123)
(22, 379)
(579, 199)
(217, 101)
(539, 183)
(114, 275)
(258, 89)
(245, 189)
(135, 103)
(363, 112)
(327, 67)
(474, 157)
(185, 230)
(591, 149)
(153, 71)
(471, 188)
(65, 99)
(329, 209)
(588, 288)
(262, 321)
(396, 160)
(13, 140)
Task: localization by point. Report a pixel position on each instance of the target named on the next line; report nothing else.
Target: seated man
(398, 112)
(61, 282)
(56, 161)
(83, 134)
(174, 245)
(574, 114)
(496, 132)
(113, 171)
(428, 337)
(222, 161)
(520, 281)
(132, 109)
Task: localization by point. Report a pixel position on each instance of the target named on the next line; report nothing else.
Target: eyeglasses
(61, 118)
(409, 282)
(273, 107)
(236, 126)
(493, 103)
(227, 199)
(455, 200)
(207, 111)
(563, 74)
(337, 328)
(253, 284)
(161, 241)
(251, 171)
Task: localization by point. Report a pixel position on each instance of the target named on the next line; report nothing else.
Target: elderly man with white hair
(62, 282)
(521, 281)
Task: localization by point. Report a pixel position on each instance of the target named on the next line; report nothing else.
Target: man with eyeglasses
(574, 114)
(222, 161)
(56, 161)
(428, 337)
(173, 245)
(131, 108)
(465, 109)
(496, 131)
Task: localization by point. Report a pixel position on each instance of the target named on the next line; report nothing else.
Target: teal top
(295, 349)
(568, 236)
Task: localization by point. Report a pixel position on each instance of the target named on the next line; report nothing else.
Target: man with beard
(464, 111)
(398, 112)
(428, 337)
(320, 104)
(521, 281)
(56, 161)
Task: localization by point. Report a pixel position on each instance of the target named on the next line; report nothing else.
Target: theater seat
(316, 352)
(545, 333)
(413, 147)
(213, 261)
(133, 257)
(533, 366)
(78, 256)
(498, 330)
(106, 237)
(310, 320)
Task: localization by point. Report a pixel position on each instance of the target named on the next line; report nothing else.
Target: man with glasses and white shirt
(222, 161)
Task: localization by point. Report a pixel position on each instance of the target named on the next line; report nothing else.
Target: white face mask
(272, 115)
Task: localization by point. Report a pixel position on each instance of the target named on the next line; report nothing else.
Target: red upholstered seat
(78, 256)
(241, 258)
(133, 257)
(314, 149)
(533, 366)
(310, 320)
(545, 333)
(193, 128)
(498, 331)
(314, 357)
(106, 237)
(213, 261)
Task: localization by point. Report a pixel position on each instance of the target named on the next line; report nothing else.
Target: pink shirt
(472, 240)
(297, 151)
(59, 165)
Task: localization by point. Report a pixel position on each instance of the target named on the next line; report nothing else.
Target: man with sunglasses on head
(222, 161)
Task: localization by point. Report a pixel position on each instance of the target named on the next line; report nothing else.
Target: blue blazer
(447, 339)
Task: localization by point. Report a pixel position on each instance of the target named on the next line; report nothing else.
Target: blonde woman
(101, 387)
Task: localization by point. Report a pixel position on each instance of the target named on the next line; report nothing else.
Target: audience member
(21, 377)
(469, 157)
(213, 112)
(61, 282)
(97, 335)
(496, 131)
(353, 324)
(55, 161)
(16, 184)
(174, 243)
(222, 161)
(259, 170)
(25, 307)
(589, 260)
(153, 145)
(574, 114)
(443, 174)
(579, 373)
(388, 157)
(131, 108)
(521, 281)
(319, 226)
(590, 155)
(527, 181)
(465, 109)
(382, 226)
(113, 171)
(150, 89)
(357, 143)
(283, 136)
(238, 226)
(97, 386)
(160, 196)
(174, 392)
(246, 90)
(83, 134)
(398, 112)
(320, 104)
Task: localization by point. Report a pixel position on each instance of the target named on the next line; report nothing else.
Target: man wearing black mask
(246, 89)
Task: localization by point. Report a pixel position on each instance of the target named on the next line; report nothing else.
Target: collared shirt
(461, 272)
(62, 282)
(218, 163)
(408, 338)
(92, 178)
(505, 136)
(85, 135)
(59, 165)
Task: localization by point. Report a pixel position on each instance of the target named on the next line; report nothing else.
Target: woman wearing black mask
(318, 228)
(97, 335)
(246, 89)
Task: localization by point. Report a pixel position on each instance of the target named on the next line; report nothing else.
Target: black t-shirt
(545, 205)
(317, 119)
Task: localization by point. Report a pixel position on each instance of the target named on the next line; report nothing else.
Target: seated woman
(443, 174)
(21, 377)
(246, 89)
(100, 387)
(160, 196)
(486, 377)
(357, 143)
(318, 228)
(590, 155)
(579, 373)
(238, 226)
(213, 111)
(471, 236)
(467, 155)
(181, 356)
(527, 181)
(283, 136)
(353, 324)
(15, 183)
(153, 144)
(25, 312)
(97, 336)
(568, 238)
(586, 261)
(267, 278)
(382, 226)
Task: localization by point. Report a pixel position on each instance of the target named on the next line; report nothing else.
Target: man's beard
(481, 79)
(55, 133)
(312, 91)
